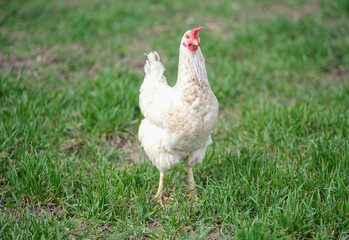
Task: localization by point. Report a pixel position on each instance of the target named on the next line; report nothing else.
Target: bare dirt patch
(15, 36)
(46, 210)
(37, 209)
(135, 63)
(218, 27)
(125, 143)
(43, 61)
(72, 146)
(16, 62)
(56, 59)
(125, 146)
(335, 74)
(284, 8)
(214, 233)
(281, 8)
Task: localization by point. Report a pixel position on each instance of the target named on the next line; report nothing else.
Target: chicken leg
(159, 196)
(191, 182)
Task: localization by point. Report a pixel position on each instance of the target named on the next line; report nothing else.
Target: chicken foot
(159, 196)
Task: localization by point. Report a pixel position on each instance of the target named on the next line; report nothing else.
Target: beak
(195, 42)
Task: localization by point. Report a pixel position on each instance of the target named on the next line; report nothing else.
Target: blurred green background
(71, 165)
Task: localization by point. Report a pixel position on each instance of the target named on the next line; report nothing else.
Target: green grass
(69, 155)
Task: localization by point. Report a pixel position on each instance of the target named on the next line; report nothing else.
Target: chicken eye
(187, 36)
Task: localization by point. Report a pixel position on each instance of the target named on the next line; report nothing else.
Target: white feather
(178, 120)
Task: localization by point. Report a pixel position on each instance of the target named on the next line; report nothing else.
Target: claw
(161, 199)
(192, 194)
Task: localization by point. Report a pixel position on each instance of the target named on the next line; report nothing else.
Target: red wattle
(193, 48)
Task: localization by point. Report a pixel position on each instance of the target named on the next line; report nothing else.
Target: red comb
(194, 32)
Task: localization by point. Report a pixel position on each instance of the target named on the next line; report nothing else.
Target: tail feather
(153, 68)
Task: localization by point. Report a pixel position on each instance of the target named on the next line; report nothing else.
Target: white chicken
(178, 120)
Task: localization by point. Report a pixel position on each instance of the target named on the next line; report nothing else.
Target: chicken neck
(191, 65)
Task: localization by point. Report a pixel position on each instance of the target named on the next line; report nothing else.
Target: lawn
(71, 166)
